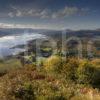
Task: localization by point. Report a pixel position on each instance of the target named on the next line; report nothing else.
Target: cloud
(47, 13)
(33, 26)
(33, 13)
(10, 14)
(69, 11)
(19, 13)
(15, 12)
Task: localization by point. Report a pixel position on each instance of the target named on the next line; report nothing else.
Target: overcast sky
(50, 14)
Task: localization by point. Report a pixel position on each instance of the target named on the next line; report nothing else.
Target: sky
(50, 14)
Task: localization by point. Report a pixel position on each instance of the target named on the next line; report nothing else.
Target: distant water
(7, 42)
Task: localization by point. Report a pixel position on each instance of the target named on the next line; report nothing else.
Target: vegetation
(11, 64)
(56, 79)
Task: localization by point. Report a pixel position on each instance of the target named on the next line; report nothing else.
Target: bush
(96, 62)
(85, 72)
(69, 69)
(51, 98)
(96, 78)
(56, 98)
(25, 92)
(53, 64)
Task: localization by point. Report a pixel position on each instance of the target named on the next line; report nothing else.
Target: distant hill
(17, 31)
(2, 33)
(79, 33)
(53, 33)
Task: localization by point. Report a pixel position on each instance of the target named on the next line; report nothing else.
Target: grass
(10, 64)
(29, 83)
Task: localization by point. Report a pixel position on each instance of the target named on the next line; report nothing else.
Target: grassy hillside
(55, 79)
(10, 64)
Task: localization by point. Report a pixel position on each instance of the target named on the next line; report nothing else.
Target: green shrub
(56, 98)
(25, 92)
(59, 97)
(53, 64)
(96, 78)
(69, 69)
(85, 72)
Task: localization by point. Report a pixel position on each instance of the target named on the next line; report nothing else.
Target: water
(8, 42)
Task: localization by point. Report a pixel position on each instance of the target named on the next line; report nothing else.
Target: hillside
(52, 81)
